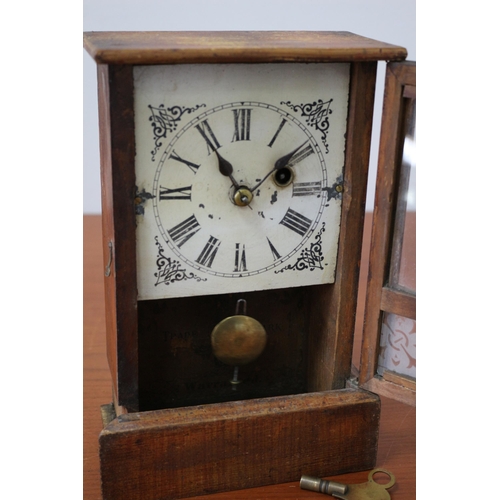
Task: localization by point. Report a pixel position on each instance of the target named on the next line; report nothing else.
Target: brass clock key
(238, 340)
(371, 490)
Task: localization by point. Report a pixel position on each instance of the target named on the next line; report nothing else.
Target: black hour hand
(225, 168)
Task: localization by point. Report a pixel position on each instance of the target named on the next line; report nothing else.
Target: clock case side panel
(334, 306)
(117, 150)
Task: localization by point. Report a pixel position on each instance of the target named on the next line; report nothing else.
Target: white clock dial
(243, 195)
(209, 231)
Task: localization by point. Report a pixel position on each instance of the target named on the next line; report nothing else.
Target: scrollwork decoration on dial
(165, 120)
(169, 270)
(310, 258)
(316, 114)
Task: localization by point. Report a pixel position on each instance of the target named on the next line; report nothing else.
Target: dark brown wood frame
(382, 293)
(336, 431)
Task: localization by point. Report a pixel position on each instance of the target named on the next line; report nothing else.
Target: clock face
(239, 176)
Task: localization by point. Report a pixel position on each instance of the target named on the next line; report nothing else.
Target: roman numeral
(300, 155)
(306, 188)
(185, 230)
(193, 166)
(183, 193)
(207, 134)
(296, 222)
(241, 124)
(275, 253)
(240, 259)
(282, 124)
(209, 252)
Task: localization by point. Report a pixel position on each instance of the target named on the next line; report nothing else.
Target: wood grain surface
(165, 47)
(396, 451)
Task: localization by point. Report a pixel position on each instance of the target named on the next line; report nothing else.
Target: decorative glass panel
(398, 345)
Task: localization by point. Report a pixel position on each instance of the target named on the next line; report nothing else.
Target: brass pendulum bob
(238, 340)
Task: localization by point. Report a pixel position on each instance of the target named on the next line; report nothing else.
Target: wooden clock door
(388, 358)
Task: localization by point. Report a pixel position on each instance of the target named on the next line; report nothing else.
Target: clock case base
(195, 450)
(198, 450)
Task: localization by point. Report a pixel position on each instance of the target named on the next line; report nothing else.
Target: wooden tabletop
(396, 451)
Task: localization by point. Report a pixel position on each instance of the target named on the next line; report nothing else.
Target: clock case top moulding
(315, 426)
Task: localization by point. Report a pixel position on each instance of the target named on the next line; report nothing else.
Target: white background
(458, 269)
(391, 21)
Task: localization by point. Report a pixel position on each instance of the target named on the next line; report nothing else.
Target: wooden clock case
(180, 430)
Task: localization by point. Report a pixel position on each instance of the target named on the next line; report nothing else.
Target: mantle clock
(234, 170)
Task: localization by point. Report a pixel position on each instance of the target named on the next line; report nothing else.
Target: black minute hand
(280, 163)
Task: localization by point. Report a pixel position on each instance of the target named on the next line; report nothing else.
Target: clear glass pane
(403, 259)
(407, 268)
(398, 345)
